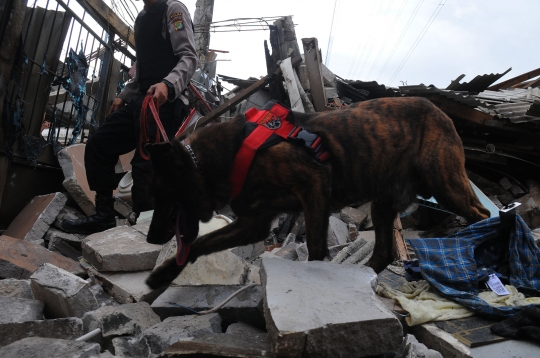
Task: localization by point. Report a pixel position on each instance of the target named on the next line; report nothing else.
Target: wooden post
(204, 12)
(312, 57)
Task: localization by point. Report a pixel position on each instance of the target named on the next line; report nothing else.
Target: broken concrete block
(361, 253)
(71, 160)
(287, 252)
(412, 348)
(253, 275)
(130, 346)
(64, 294)
(120, 249)
(126, 287)
(348, 250)
(249, 252)
(34, 220)
(243, 328)
(72, 239)
(246, 306)
(353, 216)
(16, 310)
(220, 268)
(338, 232)
(302, 252)
(31, 347)
(20, 258)
(314, 308)
(366, 208)
(128, 319)
(62, 328)
(172, 329)
(530, 208)
(16, 288)
(61, 247)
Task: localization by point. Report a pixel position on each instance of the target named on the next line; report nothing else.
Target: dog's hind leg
(383, 215)
(243, 231)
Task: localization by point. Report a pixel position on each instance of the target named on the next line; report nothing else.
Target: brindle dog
(384, 150)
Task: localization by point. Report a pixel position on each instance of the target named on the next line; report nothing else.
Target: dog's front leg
(383, 217)
(316, 213)
(243, 231)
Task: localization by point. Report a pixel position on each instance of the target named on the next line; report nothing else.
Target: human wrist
(171, 94)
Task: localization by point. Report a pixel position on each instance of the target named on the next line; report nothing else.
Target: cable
(413, 15)
(418, 39)
(329, 48)
(387, 38)
(357, 56)
(372, 43)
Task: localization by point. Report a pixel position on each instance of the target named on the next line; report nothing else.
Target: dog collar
(194, 158)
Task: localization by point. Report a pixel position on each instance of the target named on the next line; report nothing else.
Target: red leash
(149, 102)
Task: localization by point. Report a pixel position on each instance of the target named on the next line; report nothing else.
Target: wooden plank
(108, 19)
(292, 86)
(400, 250)
(514, 81)
(312, 57)
(233, 101)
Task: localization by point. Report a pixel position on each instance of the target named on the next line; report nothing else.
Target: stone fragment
(361, 253)
(120, 249)
(249, 252)
(348, 250)
(128, 319)
(32, 347)
(288, 252)
(253, 275)
(16, 310)
(334, 250)
(130, 346)
(34, 220)
(64, 294)
(315, 308)
(412, 348)
(126, 287)
(530, 208)
(61, 247)
(366, 208)
(20, 258)
(302, 252)
(243, 328)
(62, 328)
(220, 268)
(246, 306)
(172, 329)
(72, 239)
(353, 216)
(338, 232)
(16, 288)
(71, 160)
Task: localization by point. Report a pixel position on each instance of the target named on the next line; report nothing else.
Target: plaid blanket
(454, 264)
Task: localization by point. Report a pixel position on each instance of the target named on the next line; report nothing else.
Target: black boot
(102, 220)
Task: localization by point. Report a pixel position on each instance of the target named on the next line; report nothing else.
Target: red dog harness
(268, 123)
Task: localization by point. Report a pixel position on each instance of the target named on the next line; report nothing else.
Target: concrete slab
(220, 268)
(16, 288)
(72, 239)
(16, 310)
(56, 244)
(71, 160)
(19, 259)
(64, 294)
(316, 308)
(288, 252)
(128, 319)
(249, 252)
(120, 249)
(338, 232)
(353, 216)
(34, 220)
(62, 328)
(50, 347)
(130, 346)
(443, 342)
(162, 335)
(246, 306)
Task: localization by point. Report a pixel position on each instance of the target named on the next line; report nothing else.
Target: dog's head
(180, 201)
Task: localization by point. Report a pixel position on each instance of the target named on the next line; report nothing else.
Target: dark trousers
(120, 134)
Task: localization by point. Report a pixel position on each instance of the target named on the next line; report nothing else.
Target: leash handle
(160, 131)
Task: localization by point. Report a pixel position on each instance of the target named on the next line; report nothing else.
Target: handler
(166, 60)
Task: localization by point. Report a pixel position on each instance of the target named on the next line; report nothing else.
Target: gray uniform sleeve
(181, 32)
(131, 90)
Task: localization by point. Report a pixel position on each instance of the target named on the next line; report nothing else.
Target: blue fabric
(451, 264)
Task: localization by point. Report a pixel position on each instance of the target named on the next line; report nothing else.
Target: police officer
(166, 60)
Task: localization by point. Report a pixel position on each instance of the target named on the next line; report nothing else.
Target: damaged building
(71, 295)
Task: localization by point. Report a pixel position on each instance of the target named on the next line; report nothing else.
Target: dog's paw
(377, 266)
(163, 275)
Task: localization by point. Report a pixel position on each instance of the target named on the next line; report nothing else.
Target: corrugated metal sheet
(420, 90)
(375, 90)
(513, 95)
(346, 90)
(238, 82)
(478, 84)
(515, 112)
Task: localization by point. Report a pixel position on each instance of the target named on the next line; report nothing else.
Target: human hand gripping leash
(160, 131)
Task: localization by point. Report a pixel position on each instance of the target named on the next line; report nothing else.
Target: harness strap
(148, 102)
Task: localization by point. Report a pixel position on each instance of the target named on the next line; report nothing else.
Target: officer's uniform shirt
(177, 24)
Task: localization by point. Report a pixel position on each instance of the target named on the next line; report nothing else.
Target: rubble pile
(71, 295)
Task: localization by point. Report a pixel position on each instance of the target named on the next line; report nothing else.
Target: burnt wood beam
(514, 81)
